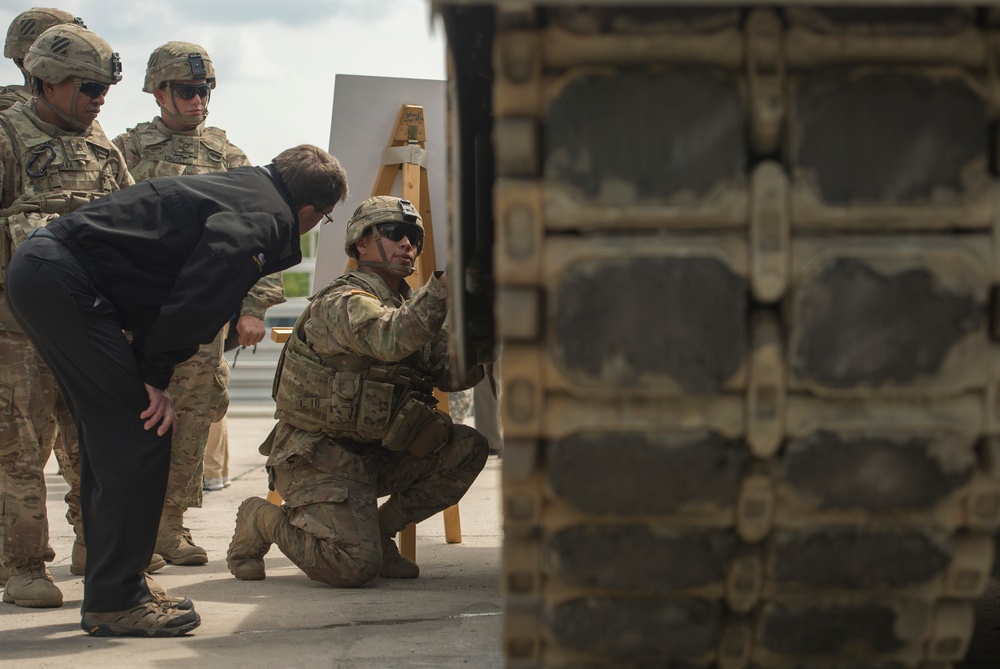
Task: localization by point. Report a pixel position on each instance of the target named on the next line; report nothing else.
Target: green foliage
(296, 284)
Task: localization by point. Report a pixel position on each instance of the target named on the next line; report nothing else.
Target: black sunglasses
(93, 90)
(188, 91)
(396, 232)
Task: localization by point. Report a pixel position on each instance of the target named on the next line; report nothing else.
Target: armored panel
(746, 267)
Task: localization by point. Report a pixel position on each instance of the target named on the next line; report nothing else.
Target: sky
(275, 60)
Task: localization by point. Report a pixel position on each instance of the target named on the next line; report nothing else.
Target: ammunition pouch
(417, 428)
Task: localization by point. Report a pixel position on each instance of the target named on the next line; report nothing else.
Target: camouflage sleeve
(266, 293)
(129, 152)
(235, 157)
(8, 166)
(441, 365)
(349, 319)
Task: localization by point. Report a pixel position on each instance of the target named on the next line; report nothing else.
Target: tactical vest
(357, 396)
(60, 174)
(163, 155)
(11, 95)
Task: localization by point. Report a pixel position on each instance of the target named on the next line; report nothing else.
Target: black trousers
(124, 467)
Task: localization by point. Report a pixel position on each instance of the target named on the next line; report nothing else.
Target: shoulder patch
(363, 292)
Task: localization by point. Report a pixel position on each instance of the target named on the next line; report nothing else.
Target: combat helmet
(69, 51)
(28, 25)
(178, 61)
(374, 211)
(175, 61)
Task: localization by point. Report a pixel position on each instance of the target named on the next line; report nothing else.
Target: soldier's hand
(160, 411)
(250, 330)
(443, 278)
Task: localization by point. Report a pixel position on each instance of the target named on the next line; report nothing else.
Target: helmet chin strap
(186, 121)
(407, 270)
(71, 120)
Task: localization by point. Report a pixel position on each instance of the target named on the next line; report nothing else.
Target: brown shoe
(149, 619)
(160, 594)
(395, 565)
(78, 564)
(30, 585)
(251, 539)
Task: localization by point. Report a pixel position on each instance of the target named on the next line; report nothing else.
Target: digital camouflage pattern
(331, 528)
(198, 385)
(32, 412)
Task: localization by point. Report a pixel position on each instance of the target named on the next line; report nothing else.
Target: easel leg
(452, 525)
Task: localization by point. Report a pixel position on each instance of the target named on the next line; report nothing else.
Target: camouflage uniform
(357, 417)
(330, 479)
(199, 384)
(79, 166)
(59, 430)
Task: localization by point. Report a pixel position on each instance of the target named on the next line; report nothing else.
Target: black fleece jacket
(176, 255)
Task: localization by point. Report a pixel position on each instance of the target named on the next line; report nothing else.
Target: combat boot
(395, 565)
(254, 534)
(174, 542)
(30, 585)
(78, 563)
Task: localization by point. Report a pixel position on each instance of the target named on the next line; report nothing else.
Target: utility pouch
(417, 428)
(374, 409)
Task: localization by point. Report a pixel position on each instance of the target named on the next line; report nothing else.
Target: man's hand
(160, 410)
(443, 278)
(250, 330)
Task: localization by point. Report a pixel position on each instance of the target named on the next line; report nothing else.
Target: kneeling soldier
(357, 418)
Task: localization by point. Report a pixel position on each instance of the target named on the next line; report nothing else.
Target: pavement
(448, 617)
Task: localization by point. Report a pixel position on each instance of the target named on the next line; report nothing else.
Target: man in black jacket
(170, 260)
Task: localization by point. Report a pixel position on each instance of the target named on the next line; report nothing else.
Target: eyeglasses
(396, 232)
(93, 90)
(188, 91)
(326, 217)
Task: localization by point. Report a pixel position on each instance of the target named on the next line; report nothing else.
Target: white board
(365, 111)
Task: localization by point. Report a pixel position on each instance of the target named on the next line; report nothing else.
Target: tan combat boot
(391, 521)
(395, 565)
(78, 564)
(252, 538)
(174, 542)
(30, 585)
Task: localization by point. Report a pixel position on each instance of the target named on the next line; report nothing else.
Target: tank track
(747, 264)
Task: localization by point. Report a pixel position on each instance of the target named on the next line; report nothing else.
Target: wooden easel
(406, 152)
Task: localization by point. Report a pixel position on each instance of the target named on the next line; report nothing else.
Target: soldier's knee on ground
(344, 567)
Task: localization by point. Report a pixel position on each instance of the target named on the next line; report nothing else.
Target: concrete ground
(449, 617)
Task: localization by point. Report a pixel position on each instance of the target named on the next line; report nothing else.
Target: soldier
(357, 419)
(180, 75)
(116, 265)
(53, 158)
(23, 30)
